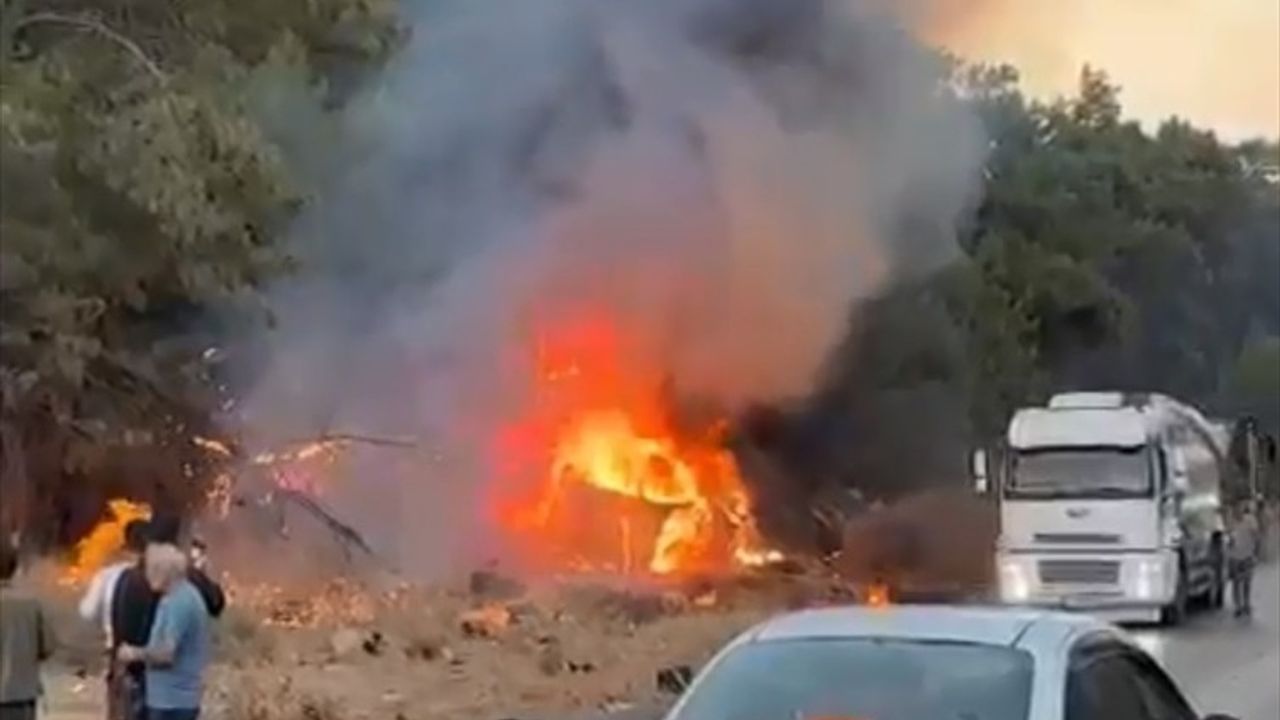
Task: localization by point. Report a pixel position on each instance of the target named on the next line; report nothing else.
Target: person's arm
(45, 641)
(91, 604)
(165, 632)
(210, 591)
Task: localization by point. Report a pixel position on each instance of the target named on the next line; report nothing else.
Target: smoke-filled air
(443, 359)
(573, 217)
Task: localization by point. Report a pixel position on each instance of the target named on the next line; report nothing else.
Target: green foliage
(143, 201)
(1113, 257)
(1252, 386)
(1102, 256)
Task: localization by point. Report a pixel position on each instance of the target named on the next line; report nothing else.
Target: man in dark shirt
(133, 610)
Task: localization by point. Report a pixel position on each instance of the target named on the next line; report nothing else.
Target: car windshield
(1080, 472)
(864, 679)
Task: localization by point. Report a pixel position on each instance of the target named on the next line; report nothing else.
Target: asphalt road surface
(1224, 664)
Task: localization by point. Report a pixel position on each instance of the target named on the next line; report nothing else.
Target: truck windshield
(1080, 472)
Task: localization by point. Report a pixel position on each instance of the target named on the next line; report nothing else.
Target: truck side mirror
(981, 476)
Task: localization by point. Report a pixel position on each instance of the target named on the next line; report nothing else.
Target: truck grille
(1077, 538)
(1079, 572)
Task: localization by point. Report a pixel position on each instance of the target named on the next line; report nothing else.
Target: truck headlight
(1150, 578)
(1015, 584)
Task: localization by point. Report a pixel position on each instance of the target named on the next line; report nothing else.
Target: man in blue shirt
(177, 652)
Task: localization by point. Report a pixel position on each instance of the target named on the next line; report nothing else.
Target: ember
(616, 485)
(105, 540)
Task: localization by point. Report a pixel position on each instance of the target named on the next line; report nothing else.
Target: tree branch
(87, 23)
(367, 440)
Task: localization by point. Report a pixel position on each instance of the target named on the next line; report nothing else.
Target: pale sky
(1215, 62)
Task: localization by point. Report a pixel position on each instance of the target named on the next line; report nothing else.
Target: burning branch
(303, 448)
(346, 534)
(368, 440)
(283, 492)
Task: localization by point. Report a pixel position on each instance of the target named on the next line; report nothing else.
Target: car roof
(932, 623)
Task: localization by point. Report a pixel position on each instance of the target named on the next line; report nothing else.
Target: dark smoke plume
(728, 178)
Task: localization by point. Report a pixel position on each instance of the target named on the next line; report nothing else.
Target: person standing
(98, 605)
(95, 606)
(167, 530)
(26, 640)
(1242, 549)
(133, 611)
(177, 650)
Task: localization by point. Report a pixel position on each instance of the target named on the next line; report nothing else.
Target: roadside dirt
(491, 648)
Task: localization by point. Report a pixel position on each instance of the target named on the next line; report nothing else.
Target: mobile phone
(198, 554)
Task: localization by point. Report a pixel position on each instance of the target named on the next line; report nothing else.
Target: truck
(1110, 503)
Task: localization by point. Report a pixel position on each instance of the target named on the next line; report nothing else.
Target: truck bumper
(1119, 586)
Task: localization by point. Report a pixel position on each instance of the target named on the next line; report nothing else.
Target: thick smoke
(726, 177)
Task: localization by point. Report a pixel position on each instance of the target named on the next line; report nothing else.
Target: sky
(1214, 62)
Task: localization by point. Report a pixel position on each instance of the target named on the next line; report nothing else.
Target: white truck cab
(1109, 503)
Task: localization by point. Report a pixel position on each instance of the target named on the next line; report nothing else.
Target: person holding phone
(134, 610)
(177, 650)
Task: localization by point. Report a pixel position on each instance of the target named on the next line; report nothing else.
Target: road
(1224, 664)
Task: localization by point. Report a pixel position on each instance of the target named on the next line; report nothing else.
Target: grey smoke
(728, 177)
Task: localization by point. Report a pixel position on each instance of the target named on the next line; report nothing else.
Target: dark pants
(125, 692)
(1242, 586)
(18, 710)
(171, 714)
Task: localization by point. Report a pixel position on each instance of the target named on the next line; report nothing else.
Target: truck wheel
(1176, 611)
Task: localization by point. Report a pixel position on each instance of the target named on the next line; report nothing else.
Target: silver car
(932, 663)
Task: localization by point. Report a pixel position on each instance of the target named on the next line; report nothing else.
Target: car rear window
(864, 679)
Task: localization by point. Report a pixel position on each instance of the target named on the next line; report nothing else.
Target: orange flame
(615, 485)
(103, 541)
(878, 595)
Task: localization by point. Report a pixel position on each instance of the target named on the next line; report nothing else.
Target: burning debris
(614, 483)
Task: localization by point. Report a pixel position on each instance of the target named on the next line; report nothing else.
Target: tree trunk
(15, 486)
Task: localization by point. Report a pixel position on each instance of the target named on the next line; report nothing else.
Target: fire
(877, 594)
(616, 485)
(605, 451)
(103, 541)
